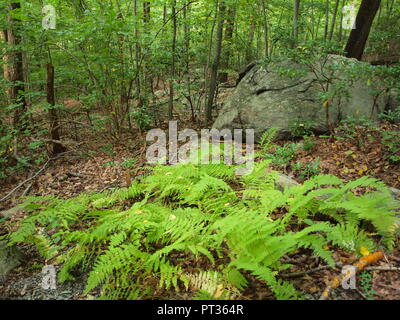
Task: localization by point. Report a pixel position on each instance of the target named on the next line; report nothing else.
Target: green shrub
(299, 129)
(391, 140)
(283, 155)
(392, 116)
(308, 170)
(170, 222)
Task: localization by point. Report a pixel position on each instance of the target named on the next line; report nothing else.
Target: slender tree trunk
(334, 19)
(359, 36)
(17, 90)
(391, 8)
(210, 42)
(249, 50)
(226, 54)
(312, 28)
(215, 65)
(296, 13)
(341, 21)
(264, 7)
(186, 27)
(53, 116)
(165, 12)
(6, 71)
(146, 12)
(138, 55)
(186, 32)
(326, 20)
(172, 75)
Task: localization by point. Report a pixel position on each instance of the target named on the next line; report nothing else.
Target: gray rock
(10, 258)
(266, 97)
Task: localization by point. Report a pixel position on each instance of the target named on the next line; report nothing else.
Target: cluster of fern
(174, 221)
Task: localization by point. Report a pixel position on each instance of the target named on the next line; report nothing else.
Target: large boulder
(282, 93)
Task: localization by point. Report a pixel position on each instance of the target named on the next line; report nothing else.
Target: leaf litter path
(67, 177)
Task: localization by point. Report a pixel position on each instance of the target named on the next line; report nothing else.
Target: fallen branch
(26, 191)
(360, 266)
(27, 180)
(75, 174)
(64, 143)
(304, 273)
(34, 176)
(361, 294)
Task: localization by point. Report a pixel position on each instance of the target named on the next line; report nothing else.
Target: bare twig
(300, 274)
(34, 176)
(76, 174)
(361, 294)
(28, 188)
(27, 180)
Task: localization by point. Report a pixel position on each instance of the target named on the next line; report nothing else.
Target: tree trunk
(17, 90)
(226, 56)
(6, 71)
(165, 12)
(341, 21)
(215, 65)
(296, 14)
(326, 20)
(138, 55)
(359, 36)
(146, 12)
(334, 19)
(172, 75)
(249, 50)
(53, 116)
(265, 21)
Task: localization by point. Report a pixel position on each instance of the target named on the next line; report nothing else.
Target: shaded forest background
(115, 68)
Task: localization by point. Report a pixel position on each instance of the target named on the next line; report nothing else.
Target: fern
(267, 139)
(177, 219)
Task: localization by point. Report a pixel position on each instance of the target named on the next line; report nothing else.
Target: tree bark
(6, 71)
(16, 73)
(215, 65)
(53, 116)
(249, 49)
(172, 75)
(326, 20)
(341, 21)
(358, 37)
(264, 7)
(226, 55)
(334, 19)
(146, 12)
(296, 14)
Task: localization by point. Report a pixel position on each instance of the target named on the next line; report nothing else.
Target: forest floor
(104, 168)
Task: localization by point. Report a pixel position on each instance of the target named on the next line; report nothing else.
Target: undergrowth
(201, 229)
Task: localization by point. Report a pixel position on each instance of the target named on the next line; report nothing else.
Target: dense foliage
(113, 61)
(203, 229)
